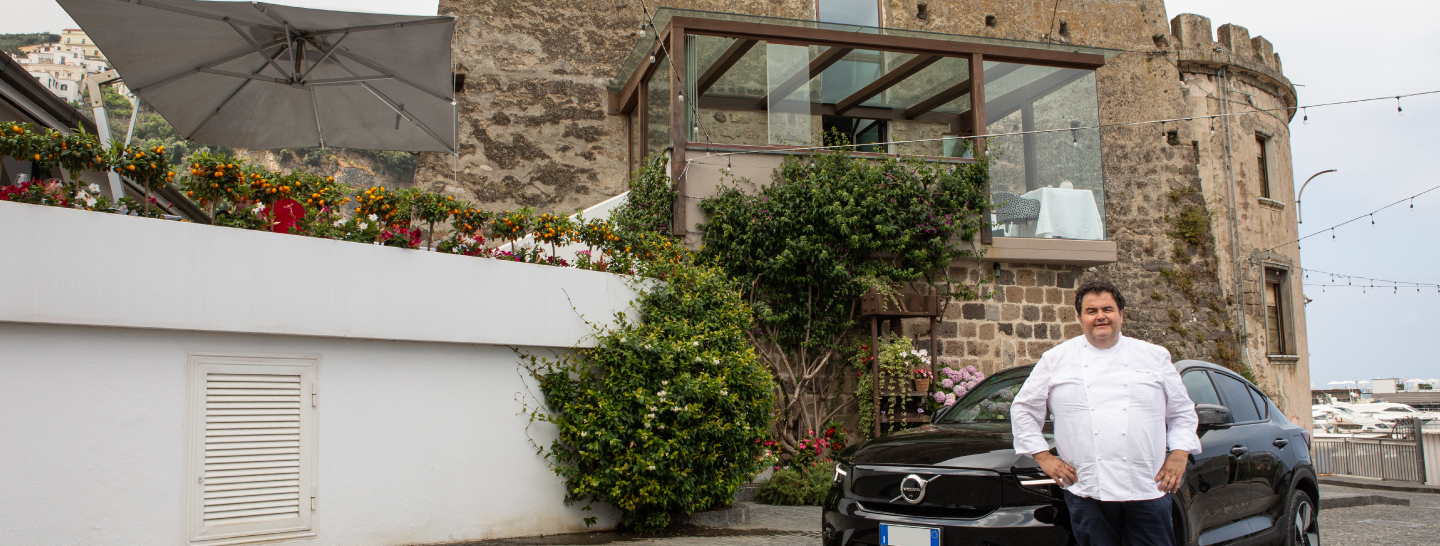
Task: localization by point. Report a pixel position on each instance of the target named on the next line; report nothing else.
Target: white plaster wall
(80, 267)
(418, 442)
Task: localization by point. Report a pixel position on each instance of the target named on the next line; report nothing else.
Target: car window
(1260, 403)
(990, 401)
(1237, 398)
(1201, 390)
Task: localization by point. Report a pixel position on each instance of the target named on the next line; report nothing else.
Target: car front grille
(922, 511)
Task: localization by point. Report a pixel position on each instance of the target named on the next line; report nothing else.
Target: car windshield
(990, 401)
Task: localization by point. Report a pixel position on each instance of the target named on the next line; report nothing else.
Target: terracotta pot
(922, 384)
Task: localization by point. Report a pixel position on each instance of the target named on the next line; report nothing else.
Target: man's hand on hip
(1057, 469)
(1172, 472)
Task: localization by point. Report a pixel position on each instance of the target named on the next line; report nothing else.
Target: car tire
(1302, 527)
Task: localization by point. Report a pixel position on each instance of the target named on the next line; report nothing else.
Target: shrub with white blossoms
(958, 380)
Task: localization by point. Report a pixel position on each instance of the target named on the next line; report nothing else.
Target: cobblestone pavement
(768, 526)
(1414, 525)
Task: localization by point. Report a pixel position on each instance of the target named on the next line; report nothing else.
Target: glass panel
(1200, 389)
(1047, 184)
(1260, 403)
(849, 12)
(788, 96)
(858, 131)
(1237, 398)
(657, 109)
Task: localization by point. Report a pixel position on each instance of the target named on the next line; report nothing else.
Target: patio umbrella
(254, 75)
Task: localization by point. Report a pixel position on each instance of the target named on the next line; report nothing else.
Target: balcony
(766, 86)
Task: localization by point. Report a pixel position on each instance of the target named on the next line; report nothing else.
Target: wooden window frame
(1262, 162)
(1278, 278)
(198, 366)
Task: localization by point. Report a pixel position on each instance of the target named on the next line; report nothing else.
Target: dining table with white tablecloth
(1065, 213)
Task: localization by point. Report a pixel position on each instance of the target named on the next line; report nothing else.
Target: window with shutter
(251, 448)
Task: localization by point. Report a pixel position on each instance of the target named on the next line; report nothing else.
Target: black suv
(958, 480)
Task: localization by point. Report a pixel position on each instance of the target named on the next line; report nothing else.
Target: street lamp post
(1299, 219)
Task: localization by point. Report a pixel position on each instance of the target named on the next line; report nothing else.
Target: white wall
(80, 267)
(421, 433)
(418, 442)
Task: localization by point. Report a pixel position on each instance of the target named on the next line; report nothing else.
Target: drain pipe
(1234, 219)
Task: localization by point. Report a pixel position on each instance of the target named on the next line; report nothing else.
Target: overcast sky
(1335, 51)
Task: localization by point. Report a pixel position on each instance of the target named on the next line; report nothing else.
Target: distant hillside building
(76, 37)
(62, 67)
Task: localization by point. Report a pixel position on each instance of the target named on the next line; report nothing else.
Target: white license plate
(905, 535)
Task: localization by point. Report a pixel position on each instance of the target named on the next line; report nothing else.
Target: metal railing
(1400, 458)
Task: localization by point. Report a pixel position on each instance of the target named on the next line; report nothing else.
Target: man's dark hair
(1096, 287)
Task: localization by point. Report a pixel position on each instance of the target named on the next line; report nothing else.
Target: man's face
(1100, 316)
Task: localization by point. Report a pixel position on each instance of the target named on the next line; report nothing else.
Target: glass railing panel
(1045, 153)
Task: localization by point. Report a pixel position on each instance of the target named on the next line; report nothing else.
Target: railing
(1380, 458)
(1401, 458)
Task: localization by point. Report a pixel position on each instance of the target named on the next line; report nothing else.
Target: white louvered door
(252, 447)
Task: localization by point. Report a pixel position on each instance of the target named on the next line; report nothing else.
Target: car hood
(975, 445)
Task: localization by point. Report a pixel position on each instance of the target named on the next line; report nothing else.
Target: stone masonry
(1181, 200)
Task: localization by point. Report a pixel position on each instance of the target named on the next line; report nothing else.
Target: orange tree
(217, 179)
(147, 165)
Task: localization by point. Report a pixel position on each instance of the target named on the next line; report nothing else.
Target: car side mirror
(1213, 416)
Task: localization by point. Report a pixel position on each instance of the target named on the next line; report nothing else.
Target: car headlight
(840, 473)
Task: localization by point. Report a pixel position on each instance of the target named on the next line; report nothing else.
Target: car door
(1269, 451)
(1217, 478)
(1235, 393)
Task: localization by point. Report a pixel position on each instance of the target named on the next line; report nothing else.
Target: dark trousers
(1120, 523)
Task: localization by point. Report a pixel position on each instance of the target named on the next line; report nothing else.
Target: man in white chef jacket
(1118, 404)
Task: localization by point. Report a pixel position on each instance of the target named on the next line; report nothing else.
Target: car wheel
(1304, 521)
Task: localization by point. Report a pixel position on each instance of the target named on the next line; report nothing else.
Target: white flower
(93, 187)
(374, 218)
(651, 467)
(661, 427)
(664, 382)
(660, 394)
(675, 409)
(259, 207)
(340, 222)
(695, 343)
(649, 416)
(364, 225)
(724, 392)
(89, 201)
(584, 434)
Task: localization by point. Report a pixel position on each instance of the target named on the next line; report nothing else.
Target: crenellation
(1235, 39)
(1264, 51)
(1192, 32)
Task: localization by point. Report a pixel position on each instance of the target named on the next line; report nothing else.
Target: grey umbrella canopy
(254, 75)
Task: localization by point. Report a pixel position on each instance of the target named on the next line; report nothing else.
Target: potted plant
(922, 380)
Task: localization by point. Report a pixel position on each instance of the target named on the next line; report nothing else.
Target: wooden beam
(723, 64)
(954, 92)
(977, 117)
(890, 79)
(894, 43)
(818, 65)
(862, 112)
(994, 73)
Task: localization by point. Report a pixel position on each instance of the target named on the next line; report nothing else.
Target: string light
(1305, 120)
(1398, 110)
(1370, 214)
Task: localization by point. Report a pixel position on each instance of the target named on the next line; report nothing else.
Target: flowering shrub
(812, 449)
(797, 485)
(957, 382)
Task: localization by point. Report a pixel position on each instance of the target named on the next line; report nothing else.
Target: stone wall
(534, 132)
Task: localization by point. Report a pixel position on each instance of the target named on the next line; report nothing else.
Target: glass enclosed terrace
(766, 86)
